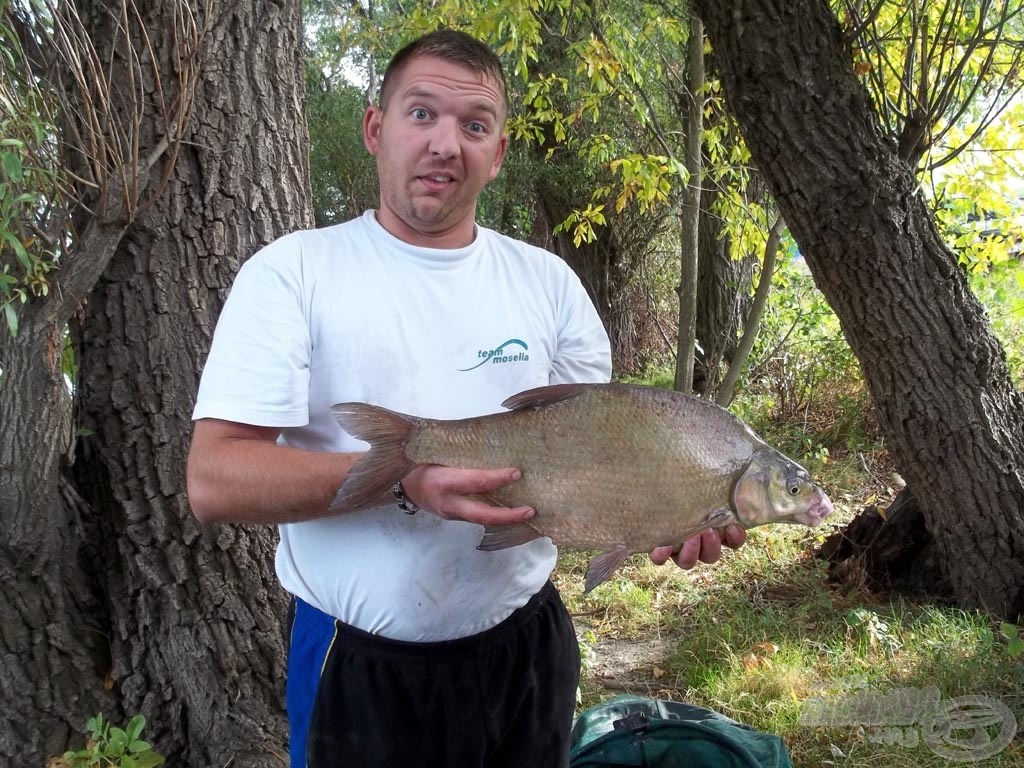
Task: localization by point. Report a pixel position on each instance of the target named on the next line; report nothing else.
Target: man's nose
(444, 139)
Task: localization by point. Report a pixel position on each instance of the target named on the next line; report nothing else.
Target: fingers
(705, 547)
(454, 494)
(734, 536)
(660, 555)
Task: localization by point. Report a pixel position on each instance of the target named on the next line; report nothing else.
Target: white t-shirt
(350, 313)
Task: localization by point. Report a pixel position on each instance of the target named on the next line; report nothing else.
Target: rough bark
(195, 613)
(112, 598)
(946, 403)
(53, 650)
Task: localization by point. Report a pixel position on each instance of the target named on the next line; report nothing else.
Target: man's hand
(705, 547)
(454, 494)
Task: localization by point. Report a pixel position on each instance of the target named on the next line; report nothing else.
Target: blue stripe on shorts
(313, 632)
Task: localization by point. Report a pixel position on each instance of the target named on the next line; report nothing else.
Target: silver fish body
(615, 467)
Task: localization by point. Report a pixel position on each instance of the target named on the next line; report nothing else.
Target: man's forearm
(245, 477)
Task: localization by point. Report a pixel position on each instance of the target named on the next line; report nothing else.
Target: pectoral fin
(719, 518)
(604, 565)
(504, 536)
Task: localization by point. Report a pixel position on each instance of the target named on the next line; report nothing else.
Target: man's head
(452, 46)
(438, 136)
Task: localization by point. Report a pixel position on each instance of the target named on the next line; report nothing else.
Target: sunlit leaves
(645, 179)
(582, 224)
(933, 65)
(979, 200)
(29, 180)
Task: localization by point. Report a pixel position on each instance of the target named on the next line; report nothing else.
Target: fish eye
(794, 489)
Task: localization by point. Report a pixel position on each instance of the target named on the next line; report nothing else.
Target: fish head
(773, 489)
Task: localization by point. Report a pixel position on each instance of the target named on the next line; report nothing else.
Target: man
(408, 646)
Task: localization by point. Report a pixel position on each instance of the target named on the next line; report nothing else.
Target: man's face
(438, 140)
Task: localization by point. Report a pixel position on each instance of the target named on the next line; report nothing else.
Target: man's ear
(499, 157)
(371, 128)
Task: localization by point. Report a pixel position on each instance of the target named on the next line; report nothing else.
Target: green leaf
(148, 760)
(118, 741)
(11, 316)
(12, 166)
(12, 325)
(134, 728)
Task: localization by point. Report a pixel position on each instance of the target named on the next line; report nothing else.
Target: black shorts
(500, 699)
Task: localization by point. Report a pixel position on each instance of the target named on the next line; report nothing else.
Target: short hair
(453, 46)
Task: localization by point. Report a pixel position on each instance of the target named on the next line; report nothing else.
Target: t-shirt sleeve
(257, 371)
(583, 352)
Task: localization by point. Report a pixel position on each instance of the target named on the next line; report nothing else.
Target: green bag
(635, 731)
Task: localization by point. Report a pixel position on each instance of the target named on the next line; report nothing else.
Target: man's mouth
(436, 179)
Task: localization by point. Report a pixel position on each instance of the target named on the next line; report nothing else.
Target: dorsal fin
(540, 396)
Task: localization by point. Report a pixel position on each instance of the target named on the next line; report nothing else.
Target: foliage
(342, 171)
(804, 384)
(1001, 289)
(585, 100)
(1014, 640)
(113, 747)
(31, 187)
(979, 201)
(932, 67)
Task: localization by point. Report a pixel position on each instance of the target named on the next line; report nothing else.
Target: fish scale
(616, 467)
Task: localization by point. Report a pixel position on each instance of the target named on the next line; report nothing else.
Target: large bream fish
(614, 467)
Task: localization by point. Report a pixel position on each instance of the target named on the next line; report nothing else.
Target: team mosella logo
(503, 354)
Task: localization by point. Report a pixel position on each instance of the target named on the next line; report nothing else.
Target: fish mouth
(819, 508)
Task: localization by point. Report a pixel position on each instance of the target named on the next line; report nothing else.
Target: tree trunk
(608, 268)
(752, 326)
(53, 650)
(195, 613)
(946, 403)
(112, 598)
(887, 551)
(723, 297)
(689, 216)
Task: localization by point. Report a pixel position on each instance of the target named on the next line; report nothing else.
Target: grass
(763, 631)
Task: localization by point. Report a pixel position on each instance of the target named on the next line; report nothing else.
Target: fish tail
(384, 464)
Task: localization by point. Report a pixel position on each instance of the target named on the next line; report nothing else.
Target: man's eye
(420, 114)
(477, 128)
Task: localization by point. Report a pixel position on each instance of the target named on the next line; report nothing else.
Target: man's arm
(239, 473)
